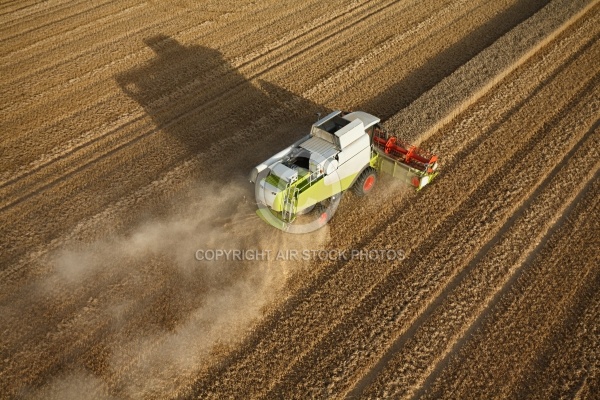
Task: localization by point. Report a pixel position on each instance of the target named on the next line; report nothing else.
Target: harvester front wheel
(365, 182)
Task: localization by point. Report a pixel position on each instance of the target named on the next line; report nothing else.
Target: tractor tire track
(16, 16)
(78, 16)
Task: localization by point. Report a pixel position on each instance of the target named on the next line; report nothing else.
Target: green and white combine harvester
(342, 151)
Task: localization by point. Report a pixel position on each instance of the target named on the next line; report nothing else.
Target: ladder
(290, 203)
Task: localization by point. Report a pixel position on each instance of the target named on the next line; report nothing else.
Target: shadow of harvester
(196, 97)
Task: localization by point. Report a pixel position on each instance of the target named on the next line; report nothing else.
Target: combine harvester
(342, 151)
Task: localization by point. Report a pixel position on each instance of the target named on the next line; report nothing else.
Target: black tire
(365, 182)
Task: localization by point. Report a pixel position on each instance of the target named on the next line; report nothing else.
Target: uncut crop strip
(413, 18)
(347, 299)
(433, 60)
(490, 114)
(481, 115)
(376, 56)
(478, 76)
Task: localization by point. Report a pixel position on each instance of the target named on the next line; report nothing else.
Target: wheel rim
(323, 218)
(368, 183)
(415, 181)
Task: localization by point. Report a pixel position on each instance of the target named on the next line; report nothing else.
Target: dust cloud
(73, 386)
(164, 314)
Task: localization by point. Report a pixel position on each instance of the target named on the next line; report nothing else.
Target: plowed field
(128, 130)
